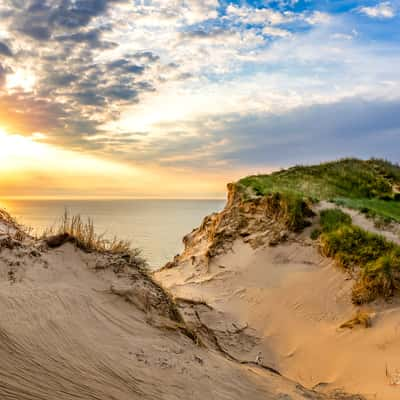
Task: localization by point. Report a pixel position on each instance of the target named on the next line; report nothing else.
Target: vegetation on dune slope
(373, 257)
(83, 234)
(371, 186)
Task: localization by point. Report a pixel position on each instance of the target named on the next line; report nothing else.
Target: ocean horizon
(155, 226)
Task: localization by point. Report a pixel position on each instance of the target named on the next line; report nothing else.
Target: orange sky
(30, 168)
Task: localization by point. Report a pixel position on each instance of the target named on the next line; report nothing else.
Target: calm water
(155, 226)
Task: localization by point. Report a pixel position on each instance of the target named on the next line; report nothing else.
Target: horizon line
(55, 198)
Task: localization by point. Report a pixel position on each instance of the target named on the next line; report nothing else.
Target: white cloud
(260, 15)
(318, 18)
(342, 36)
(278, 32)
(381, 10)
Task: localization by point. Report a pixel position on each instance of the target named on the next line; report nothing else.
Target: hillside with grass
(307, 263)
(371, 186)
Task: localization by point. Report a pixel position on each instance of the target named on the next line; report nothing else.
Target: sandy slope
(66, 334)
(293, 301)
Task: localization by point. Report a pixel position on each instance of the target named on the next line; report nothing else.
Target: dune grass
(290, 208)
(333, 218)
(357, 183)
(376, 208)
(83, 234)
(361, 319)
(376, 259)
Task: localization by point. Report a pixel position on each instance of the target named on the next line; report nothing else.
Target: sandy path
(391, 233)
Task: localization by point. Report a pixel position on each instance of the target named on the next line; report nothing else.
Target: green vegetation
(333, 218)
(355, 183)
(384, 210)
(290, 208)
(376, 259)
(371, 186)
(330, 219)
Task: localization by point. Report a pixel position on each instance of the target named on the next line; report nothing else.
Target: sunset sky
(121, 98)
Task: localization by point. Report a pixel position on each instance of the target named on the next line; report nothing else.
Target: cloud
(318, 17)
(352, 127)
(91, 37)
(2, 76)
(278, 32)
(260, 15)
(209, 82)
(5, 50)
(381, 10)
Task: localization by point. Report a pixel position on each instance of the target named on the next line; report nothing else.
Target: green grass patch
(349, 180)
(386, 210)
(353, 246)
(330, 219)
(377, 258)
(333, 218)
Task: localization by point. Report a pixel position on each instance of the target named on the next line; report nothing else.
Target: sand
(292, 301)
(76, 325)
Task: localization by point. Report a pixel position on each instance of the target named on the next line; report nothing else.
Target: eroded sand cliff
(287, 301)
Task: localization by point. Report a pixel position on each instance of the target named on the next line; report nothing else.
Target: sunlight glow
(22, 159)
(12, 146)
(29, 167)
(21, 78)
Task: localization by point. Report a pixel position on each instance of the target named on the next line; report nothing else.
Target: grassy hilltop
(370, 186)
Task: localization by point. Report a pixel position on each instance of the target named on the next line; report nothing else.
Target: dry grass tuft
(5, 216)
(83, 234)
(362, 319)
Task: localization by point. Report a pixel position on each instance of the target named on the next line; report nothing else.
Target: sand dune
(76, 325)
(293, 301)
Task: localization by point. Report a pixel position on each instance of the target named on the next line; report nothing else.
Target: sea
(156, 226)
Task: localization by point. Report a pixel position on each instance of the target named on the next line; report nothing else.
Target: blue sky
(213, 89)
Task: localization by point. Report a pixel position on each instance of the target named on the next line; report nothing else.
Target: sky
(168, 98)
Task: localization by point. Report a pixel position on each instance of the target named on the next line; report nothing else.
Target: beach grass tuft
(361, 319)
(82, 232)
